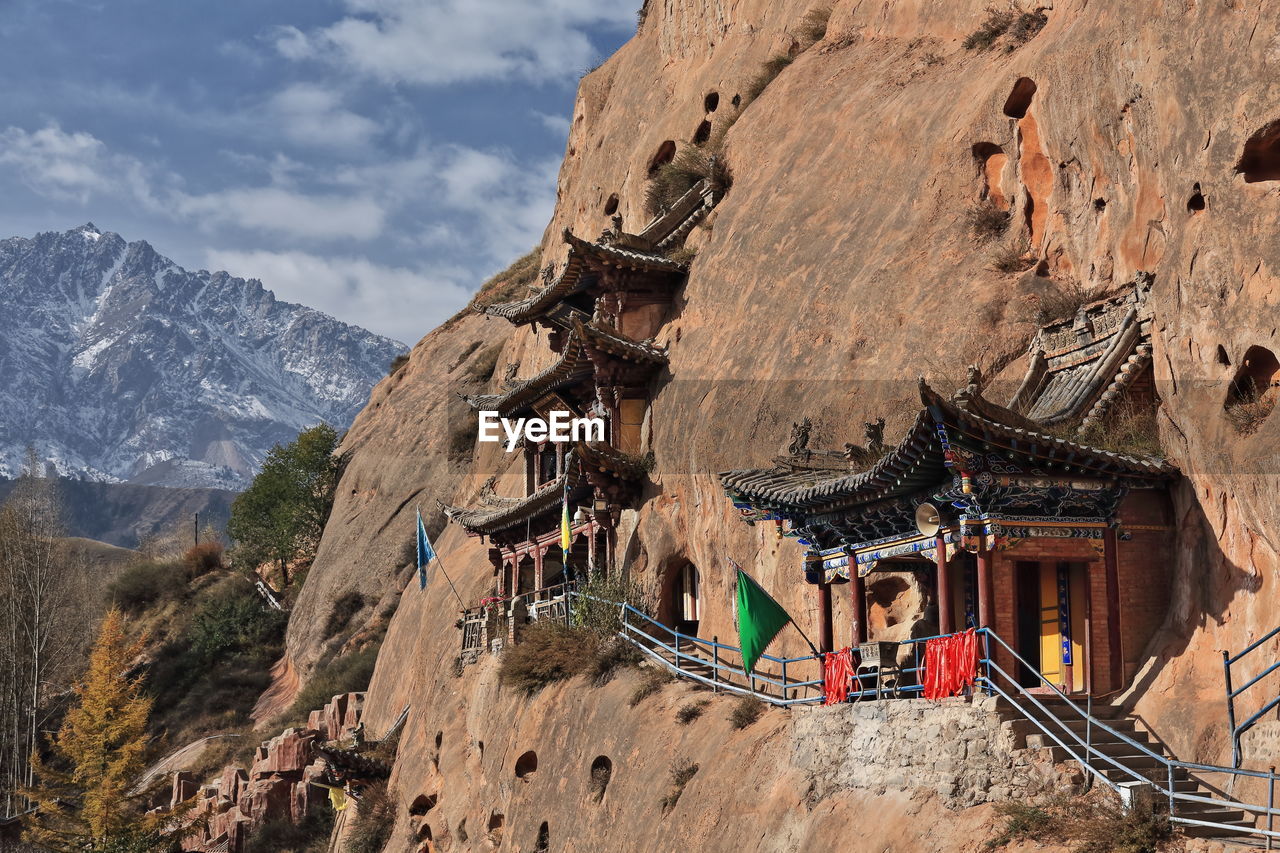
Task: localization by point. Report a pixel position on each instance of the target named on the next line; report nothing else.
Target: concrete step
(1063, 711)
(1234, 829)
(1160, 777)
(1103, 743)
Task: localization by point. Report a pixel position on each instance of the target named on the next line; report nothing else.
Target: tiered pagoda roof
(922, 459)
(1081, 365)
(587, 342)
(584, 462)
(586, 260)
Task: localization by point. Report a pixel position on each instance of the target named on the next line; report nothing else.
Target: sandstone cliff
(837, 269)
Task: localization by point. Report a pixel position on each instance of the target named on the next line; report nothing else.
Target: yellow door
(1062, 624)
(1050, 626)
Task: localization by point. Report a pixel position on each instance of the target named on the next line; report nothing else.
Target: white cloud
(285, 211)
(313, 115)
(557, 124)
(436, 42)
(74, 166)
(395, 301)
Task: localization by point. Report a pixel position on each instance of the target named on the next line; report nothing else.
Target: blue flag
(425, 553)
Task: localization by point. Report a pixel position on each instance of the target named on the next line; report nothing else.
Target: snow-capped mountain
(117, 365)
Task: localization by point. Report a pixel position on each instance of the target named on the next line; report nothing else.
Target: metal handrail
(1228, 660)
(634, 634)
(1170, 766)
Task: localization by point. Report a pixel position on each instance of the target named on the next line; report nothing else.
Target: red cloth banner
(837, 671)
(950, 664)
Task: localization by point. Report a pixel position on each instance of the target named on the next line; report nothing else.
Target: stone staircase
(1108, 744)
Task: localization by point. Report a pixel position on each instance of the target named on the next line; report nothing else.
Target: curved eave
(619, 345)
(917, 462)
(602, 456)
(547, 499)
(604, 254)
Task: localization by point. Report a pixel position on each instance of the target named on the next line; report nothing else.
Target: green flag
(760, 618)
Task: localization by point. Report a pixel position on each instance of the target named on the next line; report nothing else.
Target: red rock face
(838, 268)
(277, 787)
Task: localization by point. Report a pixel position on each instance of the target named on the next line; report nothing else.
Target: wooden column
(826, 639)
(515, 574)
(1113, 608)
(986, 590)
(945, 623)
(858, 606)
(537, 568)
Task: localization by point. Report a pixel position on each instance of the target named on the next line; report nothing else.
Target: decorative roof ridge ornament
(969, 398)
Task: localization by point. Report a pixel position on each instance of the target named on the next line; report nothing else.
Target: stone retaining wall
(962, 749)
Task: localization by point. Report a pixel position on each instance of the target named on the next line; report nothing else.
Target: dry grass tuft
(1062, 302)
(691, 164)
(650, 683)
(1248, 406)
(1017, 27)
(1094, 823)
(688, 713)
(986, 221)
(747, 710)
(1013, 256)
(682, 772)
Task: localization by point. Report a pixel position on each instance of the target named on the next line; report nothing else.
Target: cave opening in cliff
(462, 831)
(601, 773)
(991, 161)
(543, 844)
(1260, 159)
(1019, 100)
(611, 206)
(423, 804)
(496, 820)
(665, 154)
(702, 134)
(1222, 356)
(711, 101)
(527, 765)
(1252, 395)
(1195, 204)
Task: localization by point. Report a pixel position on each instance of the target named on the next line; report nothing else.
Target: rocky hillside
(120, 366)
(842, 264)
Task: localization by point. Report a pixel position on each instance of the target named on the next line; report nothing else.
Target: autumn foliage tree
(280, 517)
(85, 793)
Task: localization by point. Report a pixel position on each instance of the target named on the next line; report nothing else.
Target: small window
(546, 466)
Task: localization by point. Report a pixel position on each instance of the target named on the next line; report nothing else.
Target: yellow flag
(337, 798)
(566, 535)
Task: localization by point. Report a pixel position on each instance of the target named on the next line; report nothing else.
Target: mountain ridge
(124, 367)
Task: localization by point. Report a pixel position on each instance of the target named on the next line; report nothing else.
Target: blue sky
(375, 159)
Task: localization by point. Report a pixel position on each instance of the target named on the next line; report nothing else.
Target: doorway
(686, 604)
(1052, 621)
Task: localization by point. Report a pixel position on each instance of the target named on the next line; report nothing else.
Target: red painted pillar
(986, 590)
(945, 622)
(1113, 608)
(826, 639)
(537, 568)
(858, 606)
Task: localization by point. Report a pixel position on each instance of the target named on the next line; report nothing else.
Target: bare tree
(42, 597)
